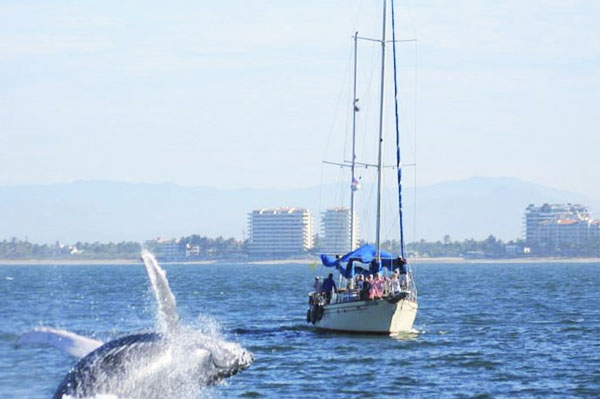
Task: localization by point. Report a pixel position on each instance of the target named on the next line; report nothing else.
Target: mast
(380, 144)
(398, 157)
(353, 185)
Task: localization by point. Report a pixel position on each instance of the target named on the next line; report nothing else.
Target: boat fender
(320, 312)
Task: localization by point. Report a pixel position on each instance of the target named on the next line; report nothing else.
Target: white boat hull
(374, 317)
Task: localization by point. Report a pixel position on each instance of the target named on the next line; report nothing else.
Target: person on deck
(378, 286)
(387, 286)
(328, 286)
(350, 284)
(395, 283)
(404, 279)
(371, 285)
(364, 288)
(401, 271)
(400, 264)
(318, 285)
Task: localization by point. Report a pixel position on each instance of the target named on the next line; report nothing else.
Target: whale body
(178, 362)
(152, 365)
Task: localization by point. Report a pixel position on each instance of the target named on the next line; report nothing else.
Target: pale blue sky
(254, 93)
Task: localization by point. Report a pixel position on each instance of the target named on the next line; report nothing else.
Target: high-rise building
(281, 231)
(552, 225)
(335, 231)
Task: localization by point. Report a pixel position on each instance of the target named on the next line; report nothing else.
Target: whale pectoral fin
(73, 344)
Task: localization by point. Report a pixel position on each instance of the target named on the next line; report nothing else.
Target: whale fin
(75, 345)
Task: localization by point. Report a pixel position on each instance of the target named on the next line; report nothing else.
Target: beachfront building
(280, 232)
(336, 237)
(558, 225)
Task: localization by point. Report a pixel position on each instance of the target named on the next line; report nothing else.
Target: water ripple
(484, 331)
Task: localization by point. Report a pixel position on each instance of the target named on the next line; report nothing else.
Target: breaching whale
(174, 363)
(152, 365)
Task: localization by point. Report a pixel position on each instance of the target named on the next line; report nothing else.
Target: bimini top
(365, 255)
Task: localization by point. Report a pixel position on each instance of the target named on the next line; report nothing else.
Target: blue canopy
(365, 254)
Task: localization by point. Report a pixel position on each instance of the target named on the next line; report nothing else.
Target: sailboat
(381, 295)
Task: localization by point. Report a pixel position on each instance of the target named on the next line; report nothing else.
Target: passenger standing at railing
(378, 286)
(387, 286)
(328, 286)
(318, 286)
(404, 280)
(363, 287)
(350, 284)
(395, 283)
(371, 284)
(400, 265)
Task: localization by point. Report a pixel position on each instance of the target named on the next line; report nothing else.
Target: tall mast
(380, 144)
(398, 157)
(353, 186)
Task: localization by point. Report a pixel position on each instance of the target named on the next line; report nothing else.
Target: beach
(420, 260)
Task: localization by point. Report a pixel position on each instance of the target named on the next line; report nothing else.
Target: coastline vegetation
(196, 248)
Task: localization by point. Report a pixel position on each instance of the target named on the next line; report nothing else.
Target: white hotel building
(335, 231)
(553, 225)
(280, 232)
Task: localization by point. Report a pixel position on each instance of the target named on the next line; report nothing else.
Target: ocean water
(485, 330)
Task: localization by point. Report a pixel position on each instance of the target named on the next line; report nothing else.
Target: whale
(152, 365)
(175, 361)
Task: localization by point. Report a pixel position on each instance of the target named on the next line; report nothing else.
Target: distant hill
(114, 211)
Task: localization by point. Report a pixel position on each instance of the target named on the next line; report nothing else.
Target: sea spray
(165, 300)
(178, 363)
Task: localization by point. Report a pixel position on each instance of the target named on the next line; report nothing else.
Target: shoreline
(549, 259)
(308, 261)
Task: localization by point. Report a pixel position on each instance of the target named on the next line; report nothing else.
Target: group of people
(379, 286)
(368, 288)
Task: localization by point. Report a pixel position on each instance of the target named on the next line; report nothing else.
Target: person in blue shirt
(328, 285)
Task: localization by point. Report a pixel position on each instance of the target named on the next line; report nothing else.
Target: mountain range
(114, 211)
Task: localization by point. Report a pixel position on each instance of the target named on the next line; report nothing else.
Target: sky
(256, 93)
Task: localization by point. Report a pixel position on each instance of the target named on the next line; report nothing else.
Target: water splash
(165, 300)
(177, 363)
(180, 366)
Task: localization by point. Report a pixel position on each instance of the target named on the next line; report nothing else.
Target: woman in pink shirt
(378, 285)
(372, 289)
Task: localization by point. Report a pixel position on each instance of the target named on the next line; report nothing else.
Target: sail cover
(365, 255)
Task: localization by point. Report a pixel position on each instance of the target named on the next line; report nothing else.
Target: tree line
(207, 248)
(202, 247)
(23, 249)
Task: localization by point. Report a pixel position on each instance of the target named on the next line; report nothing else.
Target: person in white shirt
(318, 285)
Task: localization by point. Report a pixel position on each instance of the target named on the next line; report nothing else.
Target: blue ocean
(484, 330)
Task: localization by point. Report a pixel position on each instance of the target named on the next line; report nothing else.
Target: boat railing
(344, 295)
(353, 295)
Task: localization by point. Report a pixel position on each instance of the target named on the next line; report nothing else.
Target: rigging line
(358, 13)
(337, 107)
(412, 270)
(415, 140)
(365, 117)
(330, 133)
(399, 166)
